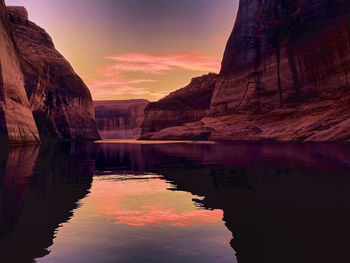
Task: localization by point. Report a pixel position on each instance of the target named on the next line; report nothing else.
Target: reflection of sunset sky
(136, 219)
(147, 202)
(127, 49)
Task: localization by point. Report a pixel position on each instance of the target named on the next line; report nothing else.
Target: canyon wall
(120, 119)
(17, 124)
(284, 52)
(285, 76)
(60, 101)
(188, 104)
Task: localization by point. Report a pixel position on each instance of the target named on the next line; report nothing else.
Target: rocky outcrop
(17, 124)
(120, 119)
(188, 104)
(60, 101)
(321, 119)
(285, 76)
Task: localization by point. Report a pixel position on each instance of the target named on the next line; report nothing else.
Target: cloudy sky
(126, 49)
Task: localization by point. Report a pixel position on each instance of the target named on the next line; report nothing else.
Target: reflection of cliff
(18, 171)
(282, 203)
(120, 119)
(38, 194)
(278, 208)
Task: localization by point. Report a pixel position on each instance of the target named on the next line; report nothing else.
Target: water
(127, 201)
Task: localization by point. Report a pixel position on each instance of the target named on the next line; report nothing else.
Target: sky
(131, 49)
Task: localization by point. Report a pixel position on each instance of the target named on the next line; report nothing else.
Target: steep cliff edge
(281, 53)
(60, 101)
(285, 76)
(188, 104)
(17, 124)
(120, 119)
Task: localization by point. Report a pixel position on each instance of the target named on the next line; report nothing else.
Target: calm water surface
(127, 201)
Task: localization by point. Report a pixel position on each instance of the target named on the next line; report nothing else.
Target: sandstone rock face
(60, 101)
(322, 119)
(285, 76)
(120, 119)
(284, 52)
(188, 104)
(17, 124)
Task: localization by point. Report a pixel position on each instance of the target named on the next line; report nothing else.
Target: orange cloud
(114, 82)
(113, 87)
(157, 64)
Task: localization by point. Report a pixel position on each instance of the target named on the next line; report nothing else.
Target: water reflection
(145, 200)
(281, 202)
(39, 190)
(128, 218)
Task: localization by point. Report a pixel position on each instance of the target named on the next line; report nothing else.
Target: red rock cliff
(284, 52)
(17, 124)
(59, 99)
(285, 75)
(188, 104)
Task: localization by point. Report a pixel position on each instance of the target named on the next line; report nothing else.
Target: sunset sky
(127, 49)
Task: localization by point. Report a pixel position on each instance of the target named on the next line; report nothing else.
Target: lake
(133, 201)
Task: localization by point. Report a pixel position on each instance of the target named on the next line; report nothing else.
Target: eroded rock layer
(120, 119)
(281, 53)
(188, 104)
(60, 101)
(17, 124)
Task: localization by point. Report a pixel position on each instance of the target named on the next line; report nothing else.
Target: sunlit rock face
(188, 104)
(17, 124)
(285, 76)
(61, 103)
(120, 119)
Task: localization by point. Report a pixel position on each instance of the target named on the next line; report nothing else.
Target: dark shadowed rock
(17, 124)
(188, 104)
(282, 53)
(60, 101)
(120, 119)
(285, 76)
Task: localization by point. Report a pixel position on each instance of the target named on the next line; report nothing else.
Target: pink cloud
(128, 67)
(157, 64)
(109, 82)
